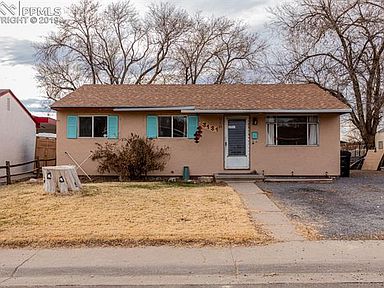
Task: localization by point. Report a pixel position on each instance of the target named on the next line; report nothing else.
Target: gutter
(191, 109)
(202, 111)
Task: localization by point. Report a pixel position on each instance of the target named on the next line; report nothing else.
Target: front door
(236, 143)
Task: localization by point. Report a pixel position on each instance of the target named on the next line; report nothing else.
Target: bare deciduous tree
(197, 49)
(66, 59)
(238, 51)
(166, 24)
(114, 45)
(121, 41)
(338, 45)
(107, 46)
(217, 50)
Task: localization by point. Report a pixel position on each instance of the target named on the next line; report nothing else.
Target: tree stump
(60, 178)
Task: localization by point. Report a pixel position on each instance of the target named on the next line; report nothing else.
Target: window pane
(165, 126)
(292, 134)
(312, 134)
(313, 119)
(179, 126)
(85, 126)
(100, 126)
(271, 139)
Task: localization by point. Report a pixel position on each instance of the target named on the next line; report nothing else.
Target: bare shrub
(130, 158)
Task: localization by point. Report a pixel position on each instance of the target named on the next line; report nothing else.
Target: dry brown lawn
(127, 214)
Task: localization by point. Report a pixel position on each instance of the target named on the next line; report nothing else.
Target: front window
(100, 126)
(179, 126)
(85, 126)
(93, 126)
(172, 126)
(292, 130)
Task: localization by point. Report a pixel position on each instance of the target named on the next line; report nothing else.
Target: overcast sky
(16, 53)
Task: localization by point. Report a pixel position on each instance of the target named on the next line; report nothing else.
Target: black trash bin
(345, 162)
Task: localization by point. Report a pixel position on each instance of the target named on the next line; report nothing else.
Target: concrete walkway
(284, 262)
(264, 211)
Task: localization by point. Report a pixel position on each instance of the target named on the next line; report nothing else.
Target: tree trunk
(369, 140)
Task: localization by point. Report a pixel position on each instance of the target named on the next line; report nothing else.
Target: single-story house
(274, 129)
(17, 133)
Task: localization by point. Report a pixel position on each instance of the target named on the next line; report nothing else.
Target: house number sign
(209, 127)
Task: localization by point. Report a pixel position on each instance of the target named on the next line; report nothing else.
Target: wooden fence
(35, 171)
(45, 147)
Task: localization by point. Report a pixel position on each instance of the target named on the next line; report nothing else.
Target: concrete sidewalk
(288, 262)
(265, 212)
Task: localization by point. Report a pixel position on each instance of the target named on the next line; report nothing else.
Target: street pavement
(291, 264)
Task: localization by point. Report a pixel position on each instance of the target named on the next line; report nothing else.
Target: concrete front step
(298, 179)
(257, 177)
(238, 177)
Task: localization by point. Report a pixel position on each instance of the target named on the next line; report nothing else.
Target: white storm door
(236, 143)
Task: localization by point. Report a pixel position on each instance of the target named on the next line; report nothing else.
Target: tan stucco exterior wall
(301, 160)
(207, 157)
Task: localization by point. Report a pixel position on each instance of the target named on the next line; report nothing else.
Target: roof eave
(192, 109)
(299, 111)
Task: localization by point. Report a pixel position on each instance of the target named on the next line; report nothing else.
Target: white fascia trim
(269, 111)
(170, 108)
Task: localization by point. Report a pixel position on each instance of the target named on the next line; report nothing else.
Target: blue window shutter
(71, 127)
(151, 126)
(193, 122)
(113, 127)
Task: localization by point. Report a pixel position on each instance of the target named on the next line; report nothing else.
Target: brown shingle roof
(203, 97)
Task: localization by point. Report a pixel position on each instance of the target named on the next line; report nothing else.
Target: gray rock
(205, 179)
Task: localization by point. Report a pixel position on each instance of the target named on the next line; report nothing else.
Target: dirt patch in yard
(126, 214)
(308, 231)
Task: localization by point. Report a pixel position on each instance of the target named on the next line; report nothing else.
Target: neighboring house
(17, 132)
(46, 139)
(282, 129)
(46, 126)
(379, 139)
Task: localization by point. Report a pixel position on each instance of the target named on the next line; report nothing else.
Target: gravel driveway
(349, 208)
